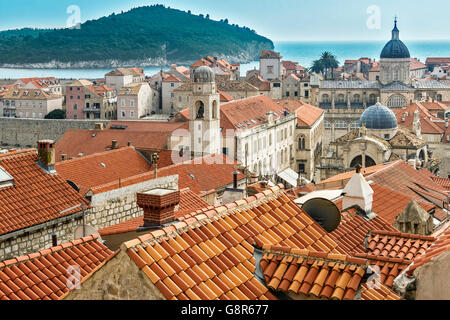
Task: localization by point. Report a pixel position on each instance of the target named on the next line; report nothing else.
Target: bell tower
(204, 114)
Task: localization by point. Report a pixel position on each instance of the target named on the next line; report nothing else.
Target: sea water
(302, 52)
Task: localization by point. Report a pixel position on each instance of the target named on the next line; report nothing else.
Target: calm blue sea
(302, 52)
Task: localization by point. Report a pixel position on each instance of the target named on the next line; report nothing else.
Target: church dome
(204, 74)
(395, 49)
(378, 117)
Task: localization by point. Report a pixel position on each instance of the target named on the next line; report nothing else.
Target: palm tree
(329, 62)
(317, 66)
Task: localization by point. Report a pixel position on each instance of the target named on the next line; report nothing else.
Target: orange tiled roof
(397, 245)
(389, 203)
(202, 176)
(210, 256)
(141, 134)
(444, 182)
(100, 168)
(171, 78)
(343, 178)
(426, 124)
(405, 179)
(353, 230)
(44, 275)
(417, 65)
(240, 113)
(307, 115)
(387, 268)
(441, 245)
(319, 274)
(380, 292)
(189, 202)
(36, 196)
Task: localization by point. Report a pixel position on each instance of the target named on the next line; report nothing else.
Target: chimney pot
(159, 206)
(235, 181)
(46, 154)
(63, 157)
(114, 144)
(129, 143)
(99, 126)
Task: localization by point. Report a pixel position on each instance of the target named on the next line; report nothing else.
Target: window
(341, 98)
(123, 114)
(179, 99)
(172, 84)
(75, 116)
(387, 136)
(377, 78)
(78, 97)
(34, 115)
(276, 85)
(75, 107)
(325, 98)
(354, 125)
(396, 101)
(122, 103)
(301, 168)
(225, 151)
(71, 97)
(287, 93)
(131, 103)
(270, 69)
(341, 125)
(132, 114)
(306, 93)
(301, 143)
(327, 124)
(172, 95)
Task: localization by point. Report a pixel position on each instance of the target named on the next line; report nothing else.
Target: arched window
(372, 99)
(200, 108)
(395, 75)
(356, 98)
(396, 101)
(341, 98)
(439, 97)
(325, 98)
(301, 143)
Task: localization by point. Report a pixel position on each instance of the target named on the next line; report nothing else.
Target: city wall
(24, 133)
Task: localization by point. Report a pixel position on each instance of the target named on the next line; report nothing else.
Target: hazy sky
(279, 20)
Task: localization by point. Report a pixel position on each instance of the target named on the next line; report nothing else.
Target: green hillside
(151, 32)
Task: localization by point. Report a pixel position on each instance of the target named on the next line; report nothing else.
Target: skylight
(6, 180)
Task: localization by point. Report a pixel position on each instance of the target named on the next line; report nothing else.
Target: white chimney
(412, 163)
(358, 192)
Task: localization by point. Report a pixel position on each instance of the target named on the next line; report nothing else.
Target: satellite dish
(324, 212)
(88, 231)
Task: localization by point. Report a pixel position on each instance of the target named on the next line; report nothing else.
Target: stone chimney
(159, 206)
(114, 145)
(414, 219)
(99, 126)
(417, 128)
(46, 155)
(412, 163)
(358, 192)
(233, 194)
(63, 157)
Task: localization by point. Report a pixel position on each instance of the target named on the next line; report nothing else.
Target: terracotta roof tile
(101, 168)
(41, 277)
(440, 246)
(397, 245)
(311, 273)
(353, 230)
(219, 261)
(36, 196)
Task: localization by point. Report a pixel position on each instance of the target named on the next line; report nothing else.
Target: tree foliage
(56, 114)
(140, 33)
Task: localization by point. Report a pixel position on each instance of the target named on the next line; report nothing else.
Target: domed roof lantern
(395, 48)
(395, 31)
(204, 74)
